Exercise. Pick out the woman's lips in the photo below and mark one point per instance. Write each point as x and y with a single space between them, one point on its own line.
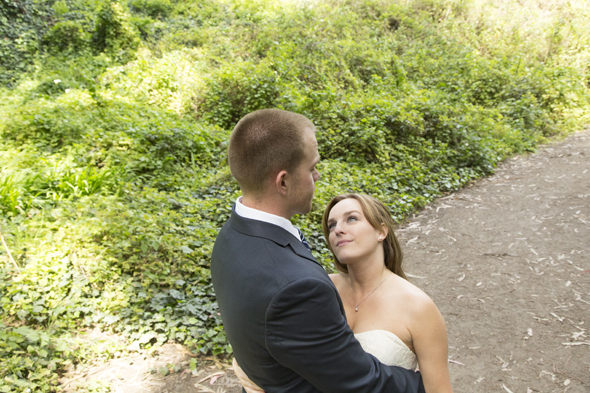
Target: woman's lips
342 242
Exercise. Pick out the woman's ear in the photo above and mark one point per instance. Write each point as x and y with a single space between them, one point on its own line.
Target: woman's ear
383 232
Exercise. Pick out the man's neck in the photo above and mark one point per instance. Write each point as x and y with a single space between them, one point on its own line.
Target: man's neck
267 205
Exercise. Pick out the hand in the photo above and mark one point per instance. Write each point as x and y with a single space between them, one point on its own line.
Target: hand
249 386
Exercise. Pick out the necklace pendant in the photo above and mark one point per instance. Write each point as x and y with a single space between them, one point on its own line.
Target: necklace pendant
356 309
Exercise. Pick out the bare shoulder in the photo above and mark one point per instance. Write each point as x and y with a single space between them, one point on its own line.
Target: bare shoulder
416 302
424 318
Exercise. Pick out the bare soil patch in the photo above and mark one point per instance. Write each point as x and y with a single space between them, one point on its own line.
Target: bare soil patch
165 370
506 261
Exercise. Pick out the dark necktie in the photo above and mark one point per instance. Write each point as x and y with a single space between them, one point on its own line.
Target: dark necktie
305 243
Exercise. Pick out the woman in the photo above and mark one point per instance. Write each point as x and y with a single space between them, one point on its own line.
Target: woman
393 320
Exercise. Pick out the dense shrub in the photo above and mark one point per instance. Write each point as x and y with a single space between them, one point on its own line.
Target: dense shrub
118 134
66 36
22 24
237 90
170 81
115 34
153 8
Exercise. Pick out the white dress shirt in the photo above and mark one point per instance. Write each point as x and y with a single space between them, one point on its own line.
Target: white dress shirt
253 214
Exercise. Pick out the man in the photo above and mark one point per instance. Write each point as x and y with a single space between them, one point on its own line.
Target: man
281 312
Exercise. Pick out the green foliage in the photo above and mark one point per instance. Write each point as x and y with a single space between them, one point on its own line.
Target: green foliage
113 175
114 133
22 24
153 8
66 36
171 81
50 182
60 8
115 34
237 90
29 358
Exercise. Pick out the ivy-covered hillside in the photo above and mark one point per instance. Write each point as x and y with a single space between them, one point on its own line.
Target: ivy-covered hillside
115 115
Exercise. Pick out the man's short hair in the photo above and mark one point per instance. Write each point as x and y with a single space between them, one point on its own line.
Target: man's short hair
263 143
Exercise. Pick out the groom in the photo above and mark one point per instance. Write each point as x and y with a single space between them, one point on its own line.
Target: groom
281 312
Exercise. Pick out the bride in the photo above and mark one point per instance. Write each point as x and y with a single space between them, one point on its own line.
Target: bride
392 319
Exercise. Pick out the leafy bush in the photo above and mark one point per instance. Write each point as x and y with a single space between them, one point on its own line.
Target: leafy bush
153 8
66 36
115 133
22 24
115 34
29 358
235 91
171 81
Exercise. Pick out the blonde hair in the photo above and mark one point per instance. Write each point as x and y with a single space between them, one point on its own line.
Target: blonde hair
378 216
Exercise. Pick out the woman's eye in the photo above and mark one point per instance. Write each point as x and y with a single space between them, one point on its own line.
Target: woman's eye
352 218
331 227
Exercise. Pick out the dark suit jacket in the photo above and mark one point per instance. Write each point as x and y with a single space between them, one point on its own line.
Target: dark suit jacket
285 319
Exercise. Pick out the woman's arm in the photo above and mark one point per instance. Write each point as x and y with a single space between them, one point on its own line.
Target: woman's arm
429 337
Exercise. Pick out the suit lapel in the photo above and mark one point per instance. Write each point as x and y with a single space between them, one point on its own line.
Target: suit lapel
270 231
302 251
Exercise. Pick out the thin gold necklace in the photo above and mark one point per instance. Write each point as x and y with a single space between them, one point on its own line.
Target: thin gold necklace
356 308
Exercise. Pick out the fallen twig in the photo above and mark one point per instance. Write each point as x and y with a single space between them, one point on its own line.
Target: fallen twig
456 362
219 373
560 319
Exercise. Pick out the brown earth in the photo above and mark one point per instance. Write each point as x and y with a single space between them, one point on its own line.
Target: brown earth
506 261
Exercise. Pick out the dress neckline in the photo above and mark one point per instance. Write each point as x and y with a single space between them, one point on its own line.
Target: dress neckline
395 336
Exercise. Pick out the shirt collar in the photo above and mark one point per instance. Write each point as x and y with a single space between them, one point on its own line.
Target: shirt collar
259 215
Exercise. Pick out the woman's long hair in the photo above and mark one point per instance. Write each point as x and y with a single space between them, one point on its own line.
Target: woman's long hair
377 215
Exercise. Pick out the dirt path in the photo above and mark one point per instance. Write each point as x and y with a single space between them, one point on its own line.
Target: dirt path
506 261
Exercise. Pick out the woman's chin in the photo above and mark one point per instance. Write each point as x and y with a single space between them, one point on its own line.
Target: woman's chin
346 262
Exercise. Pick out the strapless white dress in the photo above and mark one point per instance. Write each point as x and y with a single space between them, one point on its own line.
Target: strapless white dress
388 348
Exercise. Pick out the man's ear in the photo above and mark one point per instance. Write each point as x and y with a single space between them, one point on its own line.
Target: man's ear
281 182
